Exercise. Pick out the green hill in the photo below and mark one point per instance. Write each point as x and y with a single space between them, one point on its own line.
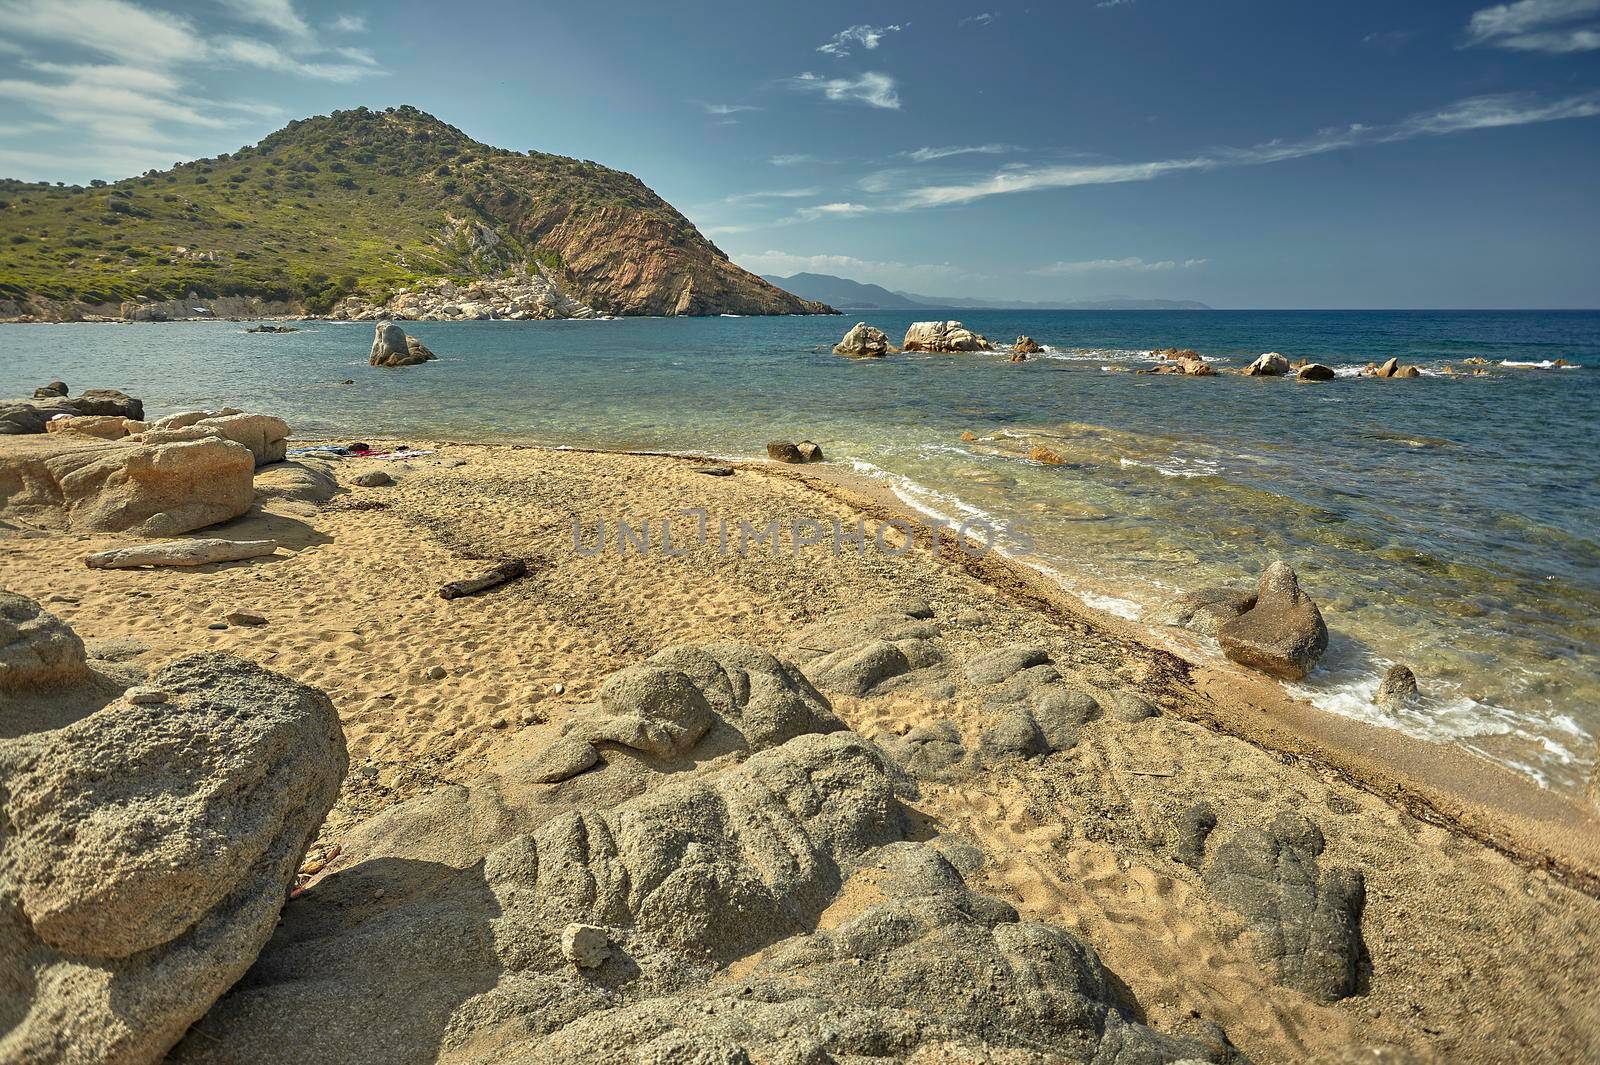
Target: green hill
363 203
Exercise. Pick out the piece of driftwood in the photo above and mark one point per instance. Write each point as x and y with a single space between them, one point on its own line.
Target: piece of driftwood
501 574
180 553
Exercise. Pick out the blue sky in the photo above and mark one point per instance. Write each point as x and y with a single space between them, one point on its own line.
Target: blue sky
1245 154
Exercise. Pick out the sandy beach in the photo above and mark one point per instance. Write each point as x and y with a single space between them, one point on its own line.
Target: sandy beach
1479 887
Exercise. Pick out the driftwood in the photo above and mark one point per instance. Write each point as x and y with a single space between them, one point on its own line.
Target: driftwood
180 553
501 574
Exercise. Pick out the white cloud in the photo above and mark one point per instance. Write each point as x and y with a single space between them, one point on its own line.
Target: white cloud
792 160
1537 26
925 155
871 88
868 37
257 53
979 20
727 109
1113 3
278 15
1482 112
113 28
349 24
831 210
1128 265
768 194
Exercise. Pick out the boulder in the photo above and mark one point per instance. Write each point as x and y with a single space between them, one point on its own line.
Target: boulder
1026 345
1388 369
393 346
99 426
37 649
1408 371
1306 919
784 451
372 479
1204 610
943 337
20 417
809 452
109 403
864 341
1283 633
1270 364
306 481
149 848
266 437
152 488
1181 361
1315 371
1398 689
51 390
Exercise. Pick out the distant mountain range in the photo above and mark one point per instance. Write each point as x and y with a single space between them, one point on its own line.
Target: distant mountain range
848 295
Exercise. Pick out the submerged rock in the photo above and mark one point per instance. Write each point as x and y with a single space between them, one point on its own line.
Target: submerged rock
1315 371
1204 610
944 337
864 341
1283 633
1026 345
1398 688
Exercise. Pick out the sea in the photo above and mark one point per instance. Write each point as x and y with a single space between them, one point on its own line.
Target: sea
1448 523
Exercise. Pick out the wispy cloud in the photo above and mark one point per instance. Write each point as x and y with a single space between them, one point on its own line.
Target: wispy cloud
726 109
1481 112
769 194
927 155
1113 3
1537 26
132 97
792 160
349 24
278 15
979 20
872 88
1104 266
867 37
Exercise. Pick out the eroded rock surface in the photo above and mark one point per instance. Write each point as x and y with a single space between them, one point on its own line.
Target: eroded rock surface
944 337
1283 633
148 850
864 341
37 649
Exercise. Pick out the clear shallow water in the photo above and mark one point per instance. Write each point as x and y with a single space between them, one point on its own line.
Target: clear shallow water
1447 524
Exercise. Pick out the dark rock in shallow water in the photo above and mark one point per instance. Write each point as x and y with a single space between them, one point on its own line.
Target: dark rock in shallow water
784 451
52 390
1307 919
1398 688
1204 610
1283 634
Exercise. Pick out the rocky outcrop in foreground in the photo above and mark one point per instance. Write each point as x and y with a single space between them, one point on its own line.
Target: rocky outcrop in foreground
944 337
585 904
148 850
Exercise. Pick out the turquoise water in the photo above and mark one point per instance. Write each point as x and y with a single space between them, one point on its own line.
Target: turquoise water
1446 523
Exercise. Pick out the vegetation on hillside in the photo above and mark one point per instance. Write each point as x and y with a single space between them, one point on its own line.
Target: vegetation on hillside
358 202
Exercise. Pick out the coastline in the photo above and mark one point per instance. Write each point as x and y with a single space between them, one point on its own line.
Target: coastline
449 695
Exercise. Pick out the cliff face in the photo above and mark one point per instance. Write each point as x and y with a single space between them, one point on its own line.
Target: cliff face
355 209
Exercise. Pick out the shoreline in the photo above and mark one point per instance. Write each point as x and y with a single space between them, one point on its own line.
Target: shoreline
1439 783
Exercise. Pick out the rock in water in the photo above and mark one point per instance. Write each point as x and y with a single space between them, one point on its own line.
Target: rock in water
1204 610
152 846
809 452
1398 688
37 650
1315 371
1283 634
1307 919
1270 364
1388 369
392 346
1026 345
784 451
944 336
864 341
